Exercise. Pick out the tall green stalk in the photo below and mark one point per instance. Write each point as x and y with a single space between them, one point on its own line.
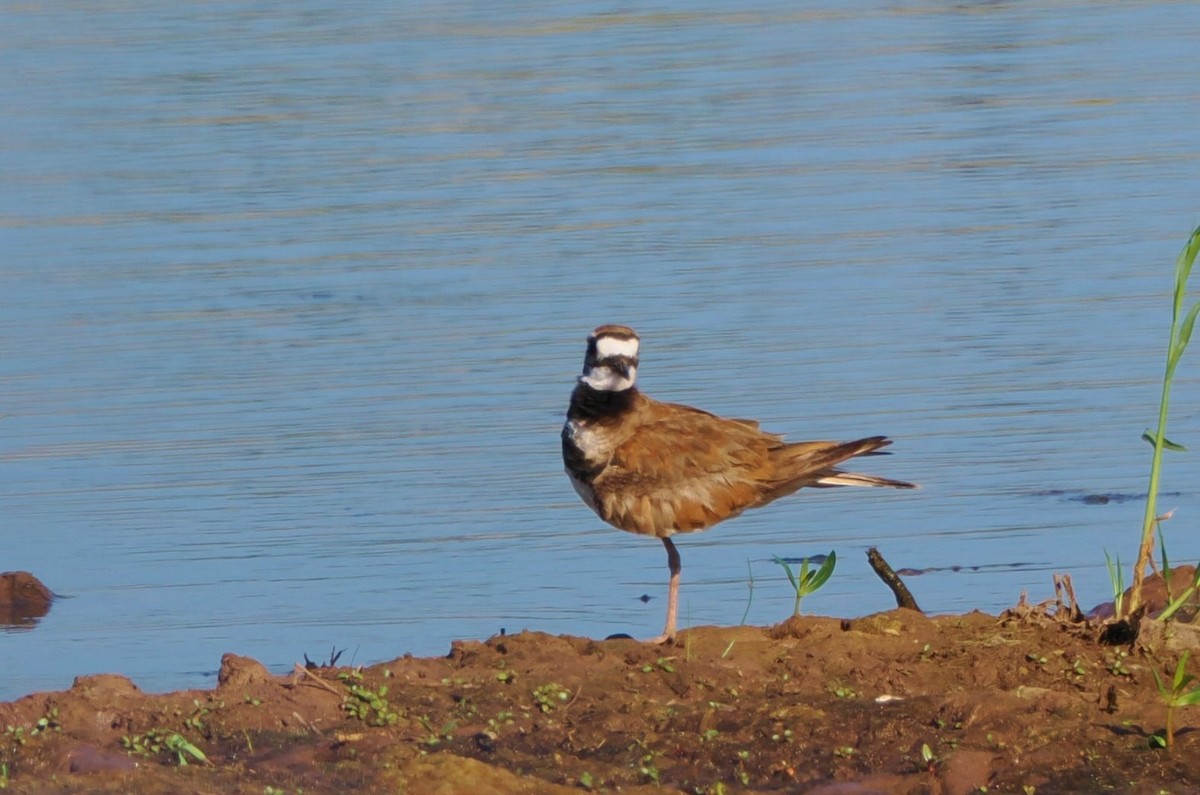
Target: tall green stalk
1181 333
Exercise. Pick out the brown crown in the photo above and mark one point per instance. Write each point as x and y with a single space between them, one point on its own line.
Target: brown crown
614 330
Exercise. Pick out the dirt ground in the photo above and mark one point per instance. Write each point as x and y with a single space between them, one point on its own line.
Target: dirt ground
896 702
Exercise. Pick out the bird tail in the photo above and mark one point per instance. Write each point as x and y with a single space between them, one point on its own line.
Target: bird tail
814 464
839 478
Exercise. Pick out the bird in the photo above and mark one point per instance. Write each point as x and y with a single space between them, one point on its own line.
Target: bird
657 469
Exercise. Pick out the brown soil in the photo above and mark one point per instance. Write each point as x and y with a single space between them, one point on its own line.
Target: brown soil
890 703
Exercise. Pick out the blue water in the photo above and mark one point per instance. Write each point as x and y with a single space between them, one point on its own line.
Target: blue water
293 298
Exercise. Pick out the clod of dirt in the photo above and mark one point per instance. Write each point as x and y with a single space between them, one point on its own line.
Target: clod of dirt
239 671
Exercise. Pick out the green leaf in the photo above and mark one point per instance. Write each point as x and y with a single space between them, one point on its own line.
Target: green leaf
1180 674
1185 330
1162 689
1167 443
1184 262
791 577
1187 257
1189 699
805 575
822 575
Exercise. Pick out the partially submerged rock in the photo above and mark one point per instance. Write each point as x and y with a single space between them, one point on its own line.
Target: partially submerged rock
23 599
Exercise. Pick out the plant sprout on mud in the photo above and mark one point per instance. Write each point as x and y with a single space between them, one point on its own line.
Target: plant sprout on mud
1177 695
808 581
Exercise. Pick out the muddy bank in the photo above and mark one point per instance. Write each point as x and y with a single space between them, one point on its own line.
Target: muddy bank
894 703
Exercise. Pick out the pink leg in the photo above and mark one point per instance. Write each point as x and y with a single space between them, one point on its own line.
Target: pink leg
673 563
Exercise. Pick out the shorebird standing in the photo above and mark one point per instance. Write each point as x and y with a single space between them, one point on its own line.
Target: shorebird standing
657 469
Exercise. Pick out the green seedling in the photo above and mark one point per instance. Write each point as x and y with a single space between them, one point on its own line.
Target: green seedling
743 774
1116 663
808 581
503 718
929 760
662 663
200 712
1116 578
435 735
369 706
157 741
46 723
649 769
19 735
842 691
1175 696
550 695
1182 325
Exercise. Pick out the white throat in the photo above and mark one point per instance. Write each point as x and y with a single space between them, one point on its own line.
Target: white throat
604 379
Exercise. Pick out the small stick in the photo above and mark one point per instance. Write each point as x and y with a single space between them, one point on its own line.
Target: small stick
1062 583
300 669
904 597
306 724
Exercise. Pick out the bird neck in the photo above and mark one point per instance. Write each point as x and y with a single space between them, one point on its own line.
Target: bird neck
588 403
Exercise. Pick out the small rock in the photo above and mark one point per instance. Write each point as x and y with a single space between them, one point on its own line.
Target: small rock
23 599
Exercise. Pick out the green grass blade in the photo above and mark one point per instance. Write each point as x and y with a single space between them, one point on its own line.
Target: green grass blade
750 598
1177 603
1166 564
1178 342
791 577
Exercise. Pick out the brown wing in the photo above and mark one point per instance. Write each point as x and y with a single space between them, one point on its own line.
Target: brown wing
683 470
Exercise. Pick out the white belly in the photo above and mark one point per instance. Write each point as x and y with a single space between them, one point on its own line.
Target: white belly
584 441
